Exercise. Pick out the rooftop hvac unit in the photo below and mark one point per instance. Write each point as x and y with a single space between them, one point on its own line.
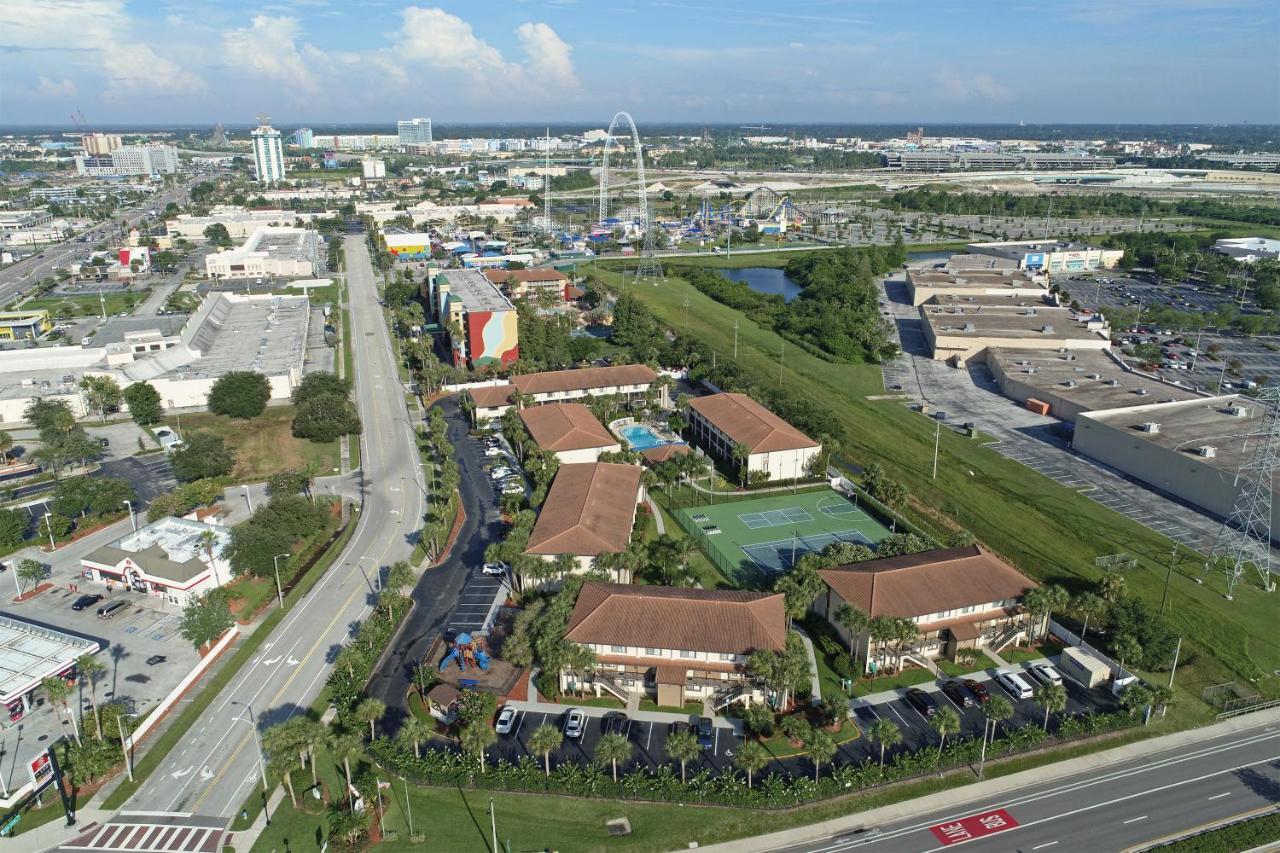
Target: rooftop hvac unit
1023 363
1048 330
1030 312
1094 376
1114 383
1141 392
1208 451
1238 411
1070 383
969 327
1071 356
1150 427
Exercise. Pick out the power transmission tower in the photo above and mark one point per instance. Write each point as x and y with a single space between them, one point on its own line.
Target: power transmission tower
1245 537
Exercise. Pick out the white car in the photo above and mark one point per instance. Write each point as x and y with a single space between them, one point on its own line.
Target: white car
494 569
574 723
493 451
1013 683
506 720
499 473
1044 673
513 490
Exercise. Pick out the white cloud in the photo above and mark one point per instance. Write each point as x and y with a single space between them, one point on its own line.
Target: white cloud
436 40
47 88
269 48
107 37
550 59
973 87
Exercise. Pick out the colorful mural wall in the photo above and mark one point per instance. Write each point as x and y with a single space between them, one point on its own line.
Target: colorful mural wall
492 337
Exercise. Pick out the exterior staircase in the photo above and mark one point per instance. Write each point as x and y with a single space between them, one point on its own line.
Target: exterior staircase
922 660
726 696
1010 634
612 687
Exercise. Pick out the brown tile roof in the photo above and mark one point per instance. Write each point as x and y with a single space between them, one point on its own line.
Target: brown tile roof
500 277
670 673
565 426
589 510
700 620
584 378
706 666
928 582
744 420
964 631
663 452
491 396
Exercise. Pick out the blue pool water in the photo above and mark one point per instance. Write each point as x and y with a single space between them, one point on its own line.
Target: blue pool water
641 437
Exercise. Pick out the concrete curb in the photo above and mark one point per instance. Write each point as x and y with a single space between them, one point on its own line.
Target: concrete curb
957 797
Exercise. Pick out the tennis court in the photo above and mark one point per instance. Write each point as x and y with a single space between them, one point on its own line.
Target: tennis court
757 538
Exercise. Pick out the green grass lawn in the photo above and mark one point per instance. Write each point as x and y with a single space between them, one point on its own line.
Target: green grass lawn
85 306
780 747
906 678
1022 654
1047 530
265 444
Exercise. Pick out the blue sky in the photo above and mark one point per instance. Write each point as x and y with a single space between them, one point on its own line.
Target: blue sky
749 61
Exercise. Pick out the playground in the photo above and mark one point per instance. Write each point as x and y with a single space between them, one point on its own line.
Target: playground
752 540
473 662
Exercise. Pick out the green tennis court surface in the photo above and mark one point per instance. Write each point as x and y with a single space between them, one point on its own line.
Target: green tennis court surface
754 539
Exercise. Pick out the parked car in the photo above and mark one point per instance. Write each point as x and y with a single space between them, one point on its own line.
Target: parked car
513 490
494 569
614 724
574 722
1013 683
957 693
111 610
706 733
678 726
506 720
979 690
921 701
499 473
493 450
1044 673
155 660
86 601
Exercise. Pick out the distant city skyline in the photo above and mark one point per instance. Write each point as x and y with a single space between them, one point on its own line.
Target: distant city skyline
166 62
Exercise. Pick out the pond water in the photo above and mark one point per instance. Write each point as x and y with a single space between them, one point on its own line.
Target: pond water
765 280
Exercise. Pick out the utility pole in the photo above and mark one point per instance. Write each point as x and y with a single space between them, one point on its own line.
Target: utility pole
937 436
735 340
686 312
1177 652
1173 555
493 825
408 806
128 762
782 348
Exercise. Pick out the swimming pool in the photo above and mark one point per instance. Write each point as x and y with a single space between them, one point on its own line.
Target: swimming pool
642 437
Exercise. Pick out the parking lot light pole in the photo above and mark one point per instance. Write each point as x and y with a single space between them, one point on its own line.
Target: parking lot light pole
982 762
248 499
48 526
275 561
133 519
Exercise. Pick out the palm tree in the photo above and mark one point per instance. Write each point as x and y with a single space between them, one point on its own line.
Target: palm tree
820 749
1112 587
742 456
90 668
751 757
1135 697
882 630
683 747
886 733
944 722
371 711
997 709
414 731
283 744
546 739
1161 696
1088 605
905 632
399 576
6 444
1042 601
311 736
344 748
854 620
1125 647
613 748
208 539
283 764
1051 697
476 739
57 690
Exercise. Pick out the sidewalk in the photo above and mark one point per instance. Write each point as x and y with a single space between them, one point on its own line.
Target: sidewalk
664 717
989 788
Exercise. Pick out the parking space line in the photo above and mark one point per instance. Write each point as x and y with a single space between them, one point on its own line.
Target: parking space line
648 738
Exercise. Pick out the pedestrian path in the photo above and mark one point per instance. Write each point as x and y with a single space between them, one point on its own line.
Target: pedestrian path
815 683
928 686
664 717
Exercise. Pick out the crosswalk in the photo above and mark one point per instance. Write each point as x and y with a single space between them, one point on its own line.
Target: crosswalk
151 833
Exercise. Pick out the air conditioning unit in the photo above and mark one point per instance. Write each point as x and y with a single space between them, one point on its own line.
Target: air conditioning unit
969 327
1208 451
1113 383
1150 427
1094 376
1048 330
1141 392
1238 411
1070 383
1071 356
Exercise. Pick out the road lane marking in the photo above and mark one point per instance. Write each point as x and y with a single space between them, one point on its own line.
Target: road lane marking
1220 796
1042 846
1135 819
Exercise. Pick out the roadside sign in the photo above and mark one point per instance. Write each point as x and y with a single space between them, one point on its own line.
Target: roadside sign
974 826
41 770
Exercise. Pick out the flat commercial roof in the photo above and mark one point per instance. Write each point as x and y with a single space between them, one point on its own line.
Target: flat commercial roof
1187 425
30 652
1056 323
475 291
167 548
1099 382
265 335
113 329
1018 248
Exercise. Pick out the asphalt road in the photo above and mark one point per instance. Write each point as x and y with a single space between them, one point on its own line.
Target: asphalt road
22 275
216 766
436 595
1129 803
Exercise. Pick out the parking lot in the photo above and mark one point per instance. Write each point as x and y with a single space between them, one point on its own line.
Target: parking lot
144 655
1113 290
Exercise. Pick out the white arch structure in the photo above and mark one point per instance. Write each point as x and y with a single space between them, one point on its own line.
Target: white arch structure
604 169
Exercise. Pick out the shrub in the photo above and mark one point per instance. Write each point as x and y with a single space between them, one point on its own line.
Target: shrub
240 394
204 454
143 401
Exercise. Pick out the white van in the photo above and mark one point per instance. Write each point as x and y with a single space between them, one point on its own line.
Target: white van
1014 684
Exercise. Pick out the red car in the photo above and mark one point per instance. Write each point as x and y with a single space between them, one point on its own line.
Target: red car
979 690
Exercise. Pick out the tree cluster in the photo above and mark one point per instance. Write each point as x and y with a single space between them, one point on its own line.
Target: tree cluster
143 401
323 410
202 455
239 394
62 440
185 498
274 528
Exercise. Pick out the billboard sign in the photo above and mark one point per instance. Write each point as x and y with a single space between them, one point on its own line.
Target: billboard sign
974 826
41 768
1035 261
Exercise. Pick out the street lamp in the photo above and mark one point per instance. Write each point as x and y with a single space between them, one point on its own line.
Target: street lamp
48 526
248 499
262 762
133 519
275 561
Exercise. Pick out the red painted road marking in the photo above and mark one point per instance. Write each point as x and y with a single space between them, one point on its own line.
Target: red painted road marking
974 826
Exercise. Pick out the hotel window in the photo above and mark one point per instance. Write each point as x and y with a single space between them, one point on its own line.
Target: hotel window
685 654
618 650
653 653
729 656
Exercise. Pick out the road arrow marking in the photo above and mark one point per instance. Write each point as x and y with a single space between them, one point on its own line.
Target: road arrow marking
179 774
271 662
292 661
206 773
